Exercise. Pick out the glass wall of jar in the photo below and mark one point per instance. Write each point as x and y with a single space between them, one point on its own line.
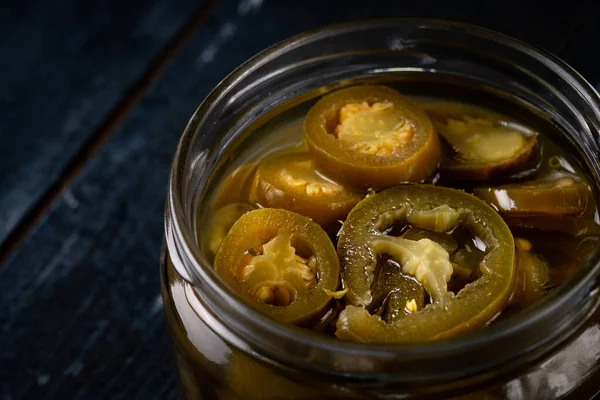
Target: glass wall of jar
228 350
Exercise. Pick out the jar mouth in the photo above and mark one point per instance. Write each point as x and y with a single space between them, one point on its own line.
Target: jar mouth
180 231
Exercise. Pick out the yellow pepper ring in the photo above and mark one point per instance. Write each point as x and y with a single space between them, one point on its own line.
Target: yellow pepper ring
283 263
442 210
291 182
371 137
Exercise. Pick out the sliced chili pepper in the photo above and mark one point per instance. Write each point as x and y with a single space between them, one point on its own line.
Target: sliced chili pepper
555 194
440 209
281 262
291 182
483 145
371 137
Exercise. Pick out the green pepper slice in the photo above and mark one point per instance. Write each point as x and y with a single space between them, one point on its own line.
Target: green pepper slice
292 182
564 253
440 209
554 194
483 145
281 262
371 137
219 225
533 276
572 225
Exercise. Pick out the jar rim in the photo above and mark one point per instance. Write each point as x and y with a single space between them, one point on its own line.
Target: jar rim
177 226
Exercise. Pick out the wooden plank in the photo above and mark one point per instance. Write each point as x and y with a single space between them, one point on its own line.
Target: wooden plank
80 311
66 66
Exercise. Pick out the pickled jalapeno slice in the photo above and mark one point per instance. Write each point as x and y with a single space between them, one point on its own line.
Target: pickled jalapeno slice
482 145
533 275
573 225
371 137
564 253
219 225
554 194
363 239
292 182
283 263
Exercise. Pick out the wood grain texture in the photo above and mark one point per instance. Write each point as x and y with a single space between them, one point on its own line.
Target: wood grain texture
66 65
80 312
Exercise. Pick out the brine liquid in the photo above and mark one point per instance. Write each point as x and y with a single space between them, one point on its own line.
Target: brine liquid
211 368
563 252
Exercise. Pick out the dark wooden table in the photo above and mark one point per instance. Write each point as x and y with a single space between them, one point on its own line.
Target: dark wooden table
94 96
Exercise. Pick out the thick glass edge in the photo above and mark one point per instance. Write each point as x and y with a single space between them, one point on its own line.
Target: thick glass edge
204 271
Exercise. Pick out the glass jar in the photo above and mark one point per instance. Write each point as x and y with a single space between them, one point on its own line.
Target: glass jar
227 350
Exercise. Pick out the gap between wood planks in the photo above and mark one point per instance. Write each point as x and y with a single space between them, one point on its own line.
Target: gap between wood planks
105 131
